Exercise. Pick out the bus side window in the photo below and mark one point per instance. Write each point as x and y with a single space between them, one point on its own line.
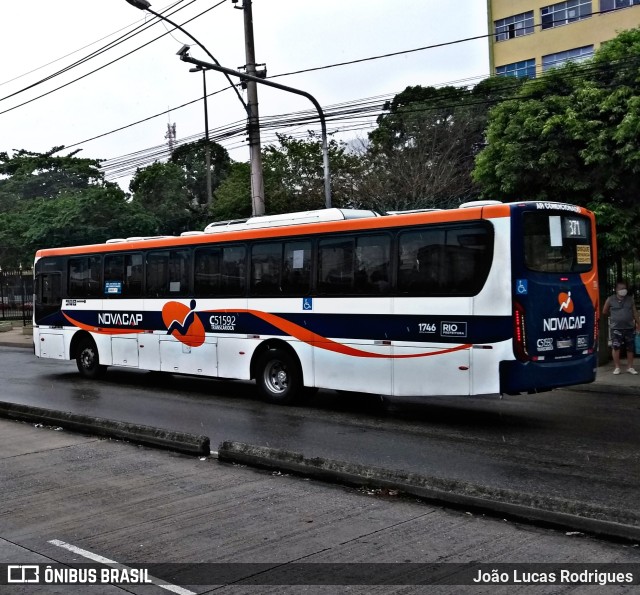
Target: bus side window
234 270
49 289
207 274
296 268
335 265
373 264
84 279
123 275
168 273
444 261
266 266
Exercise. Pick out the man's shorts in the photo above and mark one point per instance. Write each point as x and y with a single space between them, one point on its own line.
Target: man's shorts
623 337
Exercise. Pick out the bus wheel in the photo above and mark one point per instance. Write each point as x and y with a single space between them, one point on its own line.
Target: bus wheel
88 360
279 378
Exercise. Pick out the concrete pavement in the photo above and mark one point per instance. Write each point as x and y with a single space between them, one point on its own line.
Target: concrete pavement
67 497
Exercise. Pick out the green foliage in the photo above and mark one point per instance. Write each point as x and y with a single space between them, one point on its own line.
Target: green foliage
45 175
50 201
571 136
421 155
191 159
294 175
232 199
160 189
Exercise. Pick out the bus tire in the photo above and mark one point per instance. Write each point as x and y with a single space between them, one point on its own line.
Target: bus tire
88 360
279 378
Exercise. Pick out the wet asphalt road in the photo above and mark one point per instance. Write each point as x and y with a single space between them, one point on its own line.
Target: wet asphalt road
583 447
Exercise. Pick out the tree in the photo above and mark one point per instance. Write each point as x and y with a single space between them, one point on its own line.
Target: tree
422 153
294 174
45 175
49 200
232 199
160 189
571 136
191 159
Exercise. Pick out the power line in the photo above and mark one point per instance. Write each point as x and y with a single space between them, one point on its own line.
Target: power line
101 67
354 115
112 44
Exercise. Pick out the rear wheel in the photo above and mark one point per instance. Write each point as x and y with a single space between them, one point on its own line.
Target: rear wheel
88 360
279 377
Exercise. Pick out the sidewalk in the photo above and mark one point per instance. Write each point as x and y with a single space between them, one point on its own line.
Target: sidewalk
17 336
605 381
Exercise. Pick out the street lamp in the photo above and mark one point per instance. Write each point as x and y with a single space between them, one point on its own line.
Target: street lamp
184 56
207 148
145 5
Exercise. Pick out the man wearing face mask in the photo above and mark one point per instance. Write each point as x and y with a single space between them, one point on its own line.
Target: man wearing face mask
622 322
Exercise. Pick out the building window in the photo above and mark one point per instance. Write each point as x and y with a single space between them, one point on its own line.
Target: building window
526 68
565 12
514 26
607 5
574 55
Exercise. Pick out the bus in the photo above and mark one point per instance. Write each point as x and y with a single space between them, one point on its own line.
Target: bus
485 299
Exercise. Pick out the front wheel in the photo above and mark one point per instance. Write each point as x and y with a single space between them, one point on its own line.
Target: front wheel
279 377
88 361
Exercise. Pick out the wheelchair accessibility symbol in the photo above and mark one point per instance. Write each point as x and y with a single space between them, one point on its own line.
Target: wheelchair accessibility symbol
307 303
522 287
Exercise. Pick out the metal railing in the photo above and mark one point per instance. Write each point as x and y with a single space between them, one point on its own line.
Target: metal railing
16 295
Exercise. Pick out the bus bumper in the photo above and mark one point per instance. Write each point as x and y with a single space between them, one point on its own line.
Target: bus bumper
523 377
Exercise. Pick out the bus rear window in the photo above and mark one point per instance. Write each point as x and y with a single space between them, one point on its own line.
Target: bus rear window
557 243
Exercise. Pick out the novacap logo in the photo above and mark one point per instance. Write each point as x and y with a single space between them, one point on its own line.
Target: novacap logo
566 303
183 323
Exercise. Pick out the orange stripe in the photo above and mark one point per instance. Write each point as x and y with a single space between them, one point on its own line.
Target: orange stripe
291 329
315 340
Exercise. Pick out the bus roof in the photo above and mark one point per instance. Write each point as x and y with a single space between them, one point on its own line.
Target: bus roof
300 224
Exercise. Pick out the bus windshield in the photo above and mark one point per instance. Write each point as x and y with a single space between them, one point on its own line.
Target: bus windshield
556 243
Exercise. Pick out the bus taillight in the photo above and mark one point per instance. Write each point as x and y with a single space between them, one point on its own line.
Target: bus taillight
519 335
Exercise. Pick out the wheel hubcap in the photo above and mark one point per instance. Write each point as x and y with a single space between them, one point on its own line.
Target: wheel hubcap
87 358
276 377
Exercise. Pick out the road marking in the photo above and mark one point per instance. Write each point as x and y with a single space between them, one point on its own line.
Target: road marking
102 560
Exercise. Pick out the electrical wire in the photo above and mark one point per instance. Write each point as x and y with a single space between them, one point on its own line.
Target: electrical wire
350 116
101 67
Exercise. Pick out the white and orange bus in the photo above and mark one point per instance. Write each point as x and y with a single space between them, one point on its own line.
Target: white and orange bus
486 299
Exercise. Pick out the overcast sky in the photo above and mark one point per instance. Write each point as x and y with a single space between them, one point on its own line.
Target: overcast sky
290 35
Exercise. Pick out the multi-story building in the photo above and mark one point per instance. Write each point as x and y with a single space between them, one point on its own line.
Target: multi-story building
528 37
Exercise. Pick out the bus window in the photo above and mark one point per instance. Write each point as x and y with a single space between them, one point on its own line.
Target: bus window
355 265
444 261
335 265
207 272
296 268
557 243
234 271
168 273
266 265
373 263
49 289
84 277
123 275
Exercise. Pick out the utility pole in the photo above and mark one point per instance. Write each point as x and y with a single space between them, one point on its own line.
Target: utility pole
207 149
253 125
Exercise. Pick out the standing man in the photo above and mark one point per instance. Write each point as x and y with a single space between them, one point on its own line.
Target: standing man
623 321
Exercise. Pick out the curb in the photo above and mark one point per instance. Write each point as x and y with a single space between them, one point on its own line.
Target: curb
181 442
542 510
